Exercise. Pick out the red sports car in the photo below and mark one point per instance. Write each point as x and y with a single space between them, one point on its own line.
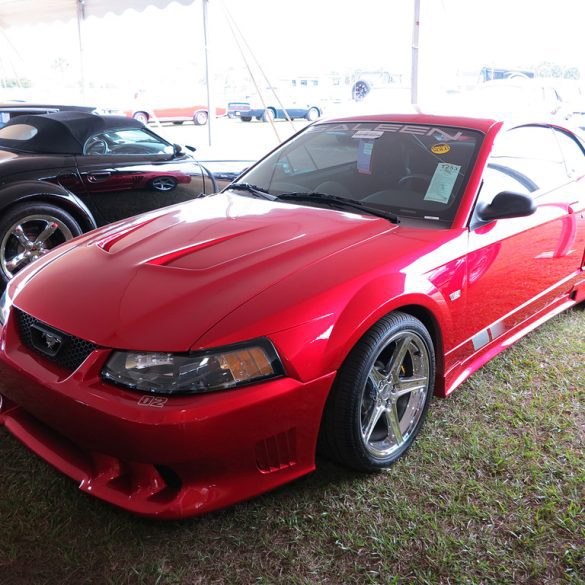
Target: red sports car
186 359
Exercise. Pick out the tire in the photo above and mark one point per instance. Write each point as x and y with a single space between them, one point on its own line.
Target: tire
141 117
313 114
381 395
29 231
246 118
360 90
200 118
268 115
177 122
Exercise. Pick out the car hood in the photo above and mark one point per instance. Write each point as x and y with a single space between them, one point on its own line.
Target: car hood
159 281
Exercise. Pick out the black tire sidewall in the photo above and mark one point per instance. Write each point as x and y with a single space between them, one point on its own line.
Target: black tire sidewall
341 428
35 208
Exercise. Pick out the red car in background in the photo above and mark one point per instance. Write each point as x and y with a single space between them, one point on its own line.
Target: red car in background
177 114
198 355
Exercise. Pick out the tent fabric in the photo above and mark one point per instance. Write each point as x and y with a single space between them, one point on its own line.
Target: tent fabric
29 12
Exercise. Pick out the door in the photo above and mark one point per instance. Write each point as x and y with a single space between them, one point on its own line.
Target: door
126 172
519 266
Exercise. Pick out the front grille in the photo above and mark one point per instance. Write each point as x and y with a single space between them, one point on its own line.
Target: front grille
71 352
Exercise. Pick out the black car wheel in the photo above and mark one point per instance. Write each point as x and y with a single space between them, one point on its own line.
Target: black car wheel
381 395
29 231
246 118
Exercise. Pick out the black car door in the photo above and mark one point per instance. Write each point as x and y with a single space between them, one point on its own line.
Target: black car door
126 172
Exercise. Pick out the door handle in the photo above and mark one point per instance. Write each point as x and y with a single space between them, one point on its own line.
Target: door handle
99 176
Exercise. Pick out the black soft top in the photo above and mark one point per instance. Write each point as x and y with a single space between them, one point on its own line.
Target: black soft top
63 132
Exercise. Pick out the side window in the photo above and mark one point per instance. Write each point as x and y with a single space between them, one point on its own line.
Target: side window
497 179
123 142
573 154
531 154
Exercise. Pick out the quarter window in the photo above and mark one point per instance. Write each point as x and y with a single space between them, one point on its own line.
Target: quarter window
18 132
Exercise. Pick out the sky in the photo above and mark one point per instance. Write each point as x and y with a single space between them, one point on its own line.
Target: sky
162 50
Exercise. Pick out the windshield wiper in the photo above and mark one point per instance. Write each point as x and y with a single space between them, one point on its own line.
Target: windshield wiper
336 201
253 189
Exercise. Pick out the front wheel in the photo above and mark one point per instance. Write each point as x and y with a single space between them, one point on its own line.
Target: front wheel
200 118
381 395
30 231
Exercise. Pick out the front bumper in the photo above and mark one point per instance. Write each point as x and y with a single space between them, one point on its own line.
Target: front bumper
168 457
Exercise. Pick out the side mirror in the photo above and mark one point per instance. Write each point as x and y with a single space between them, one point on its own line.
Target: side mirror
179 149
507 204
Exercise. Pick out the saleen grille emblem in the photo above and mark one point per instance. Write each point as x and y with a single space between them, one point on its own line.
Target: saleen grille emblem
47 342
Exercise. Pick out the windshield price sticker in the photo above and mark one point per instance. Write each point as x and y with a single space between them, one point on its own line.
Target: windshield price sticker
442 183
368 134
364 158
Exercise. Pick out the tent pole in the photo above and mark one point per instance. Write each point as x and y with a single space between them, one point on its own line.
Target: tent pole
210 103
80 20
414 70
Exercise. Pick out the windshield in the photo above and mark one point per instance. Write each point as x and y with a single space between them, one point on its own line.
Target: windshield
408 170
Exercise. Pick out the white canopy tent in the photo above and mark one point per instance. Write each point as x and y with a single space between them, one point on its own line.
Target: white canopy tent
15 13
23 12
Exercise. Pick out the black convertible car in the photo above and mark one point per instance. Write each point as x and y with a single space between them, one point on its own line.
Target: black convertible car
65 173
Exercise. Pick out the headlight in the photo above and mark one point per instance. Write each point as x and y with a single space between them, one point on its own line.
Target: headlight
193 373
5 304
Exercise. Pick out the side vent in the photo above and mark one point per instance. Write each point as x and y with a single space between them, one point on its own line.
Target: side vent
277 452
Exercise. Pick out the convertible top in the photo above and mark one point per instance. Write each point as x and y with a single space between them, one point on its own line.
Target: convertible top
62 132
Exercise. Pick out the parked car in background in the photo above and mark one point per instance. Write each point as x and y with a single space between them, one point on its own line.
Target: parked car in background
198 355
176 112
513 98
309 111
237 109
294 97
66 173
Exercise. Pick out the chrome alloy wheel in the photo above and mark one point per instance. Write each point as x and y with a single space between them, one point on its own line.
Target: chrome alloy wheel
28 239
394 396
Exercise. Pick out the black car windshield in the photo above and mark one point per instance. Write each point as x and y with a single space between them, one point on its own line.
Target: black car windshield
409 170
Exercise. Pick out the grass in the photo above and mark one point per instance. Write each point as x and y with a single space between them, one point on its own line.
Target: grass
493 491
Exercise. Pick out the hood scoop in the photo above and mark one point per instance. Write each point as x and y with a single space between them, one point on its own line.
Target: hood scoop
118 235
169 258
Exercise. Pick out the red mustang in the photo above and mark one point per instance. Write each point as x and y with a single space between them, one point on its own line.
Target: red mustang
195 356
